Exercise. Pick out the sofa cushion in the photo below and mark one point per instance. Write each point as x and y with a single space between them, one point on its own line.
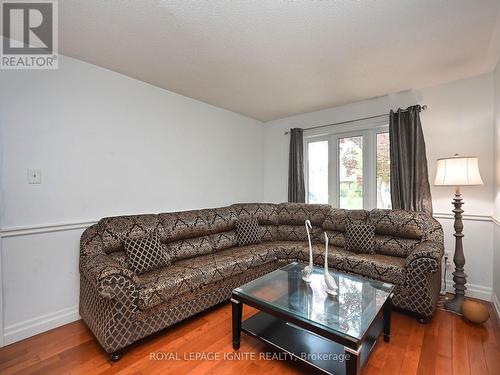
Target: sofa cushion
336 255
298 250
248 232
221 219
265 213
161 285
269 232
185 224
298 233
360 238
145 254
287 250
337 218
230 262
114 230
394 246
335 238
190 247
298 213
380 267
224 240
376 266
399 223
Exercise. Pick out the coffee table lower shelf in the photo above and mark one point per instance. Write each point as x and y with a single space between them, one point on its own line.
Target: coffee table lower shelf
314 350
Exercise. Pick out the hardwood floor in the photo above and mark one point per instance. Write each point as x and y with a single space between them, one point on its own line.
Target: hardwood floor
447 345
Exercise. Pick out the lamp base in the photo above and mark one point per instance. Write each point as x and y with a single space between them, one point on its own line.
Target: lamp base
459 276
455 304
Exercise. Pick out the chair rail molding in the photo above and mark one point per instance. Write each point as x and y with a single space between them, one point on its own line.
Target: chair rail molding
45 228
24 230
471 217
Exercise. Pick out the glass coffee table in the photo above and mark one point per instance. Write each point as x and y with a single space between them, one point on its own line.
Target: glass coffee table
333 334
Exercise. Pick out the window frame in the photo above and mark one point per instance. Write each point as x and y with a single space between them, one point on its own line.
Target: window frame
368 130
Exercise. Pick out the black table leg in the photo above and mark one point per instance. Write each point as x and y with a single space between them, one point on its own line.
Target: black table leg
386 313
352 361
237 315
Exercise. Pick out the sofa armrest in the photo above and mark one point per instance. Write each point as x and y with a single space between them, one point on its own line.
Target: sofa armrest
430 250
111 278
107 275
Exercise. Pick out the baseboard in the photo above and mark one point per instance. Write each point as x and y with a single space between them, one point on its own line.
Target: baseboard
496 306
31 327
473 290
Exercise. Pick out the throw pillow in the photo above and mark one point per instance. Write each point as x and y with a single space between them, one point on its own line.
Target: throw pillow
145 254
360 238
248 232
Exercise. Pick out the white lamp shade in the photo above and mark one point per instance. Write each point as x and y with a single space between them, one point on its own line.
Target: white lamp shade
458 171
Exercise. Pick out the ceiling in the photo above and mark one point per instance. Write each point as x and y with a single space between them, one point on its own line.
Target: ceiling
272 59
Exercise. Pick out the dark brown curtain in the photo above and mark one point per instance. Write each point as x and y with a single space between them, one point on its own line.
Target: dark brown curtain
296 188
410 189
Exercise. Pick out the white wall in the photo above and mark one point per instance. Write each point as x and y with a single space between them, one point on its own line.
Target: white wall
107 145
496 255
459 119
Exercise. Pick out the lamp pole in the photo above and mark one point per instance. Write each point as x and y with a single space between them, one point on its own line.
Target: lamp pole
459 276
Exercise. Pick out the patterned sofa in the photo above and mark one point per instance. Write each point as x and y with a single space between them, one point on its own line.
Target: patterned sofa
121 307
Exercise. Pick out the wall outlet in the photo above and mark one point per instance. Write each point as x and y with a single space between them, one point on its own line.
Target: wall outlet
34 176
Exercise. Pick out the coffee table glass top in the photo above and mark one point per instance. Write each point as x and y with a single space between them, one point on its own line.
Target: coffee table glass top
350 313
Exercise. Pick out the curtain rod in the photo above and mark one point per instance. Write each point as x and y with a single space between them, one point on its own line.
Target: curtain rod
423 108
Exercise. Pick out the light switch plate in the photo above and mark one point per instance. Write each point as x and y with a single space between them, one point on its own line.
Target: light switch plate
34 176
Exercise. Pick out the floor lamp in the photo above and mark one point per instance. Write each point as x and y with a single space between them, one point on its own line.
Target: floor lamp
458 171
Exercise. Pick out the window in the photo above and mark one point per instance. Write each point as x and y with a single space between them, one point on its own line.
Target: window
318 172
349 168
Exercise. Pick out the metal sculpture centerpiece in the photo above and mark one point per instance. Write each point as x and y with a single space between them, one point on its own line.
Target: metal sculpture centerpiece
331 285
308 270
